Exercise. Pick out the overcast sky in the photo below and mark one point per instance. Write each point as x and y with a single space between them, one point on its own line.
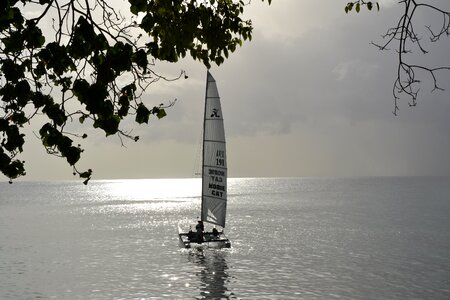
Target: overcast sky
308 96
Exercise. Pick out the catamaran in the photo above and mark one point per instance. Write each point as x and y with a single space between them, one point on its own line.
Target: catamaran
214 177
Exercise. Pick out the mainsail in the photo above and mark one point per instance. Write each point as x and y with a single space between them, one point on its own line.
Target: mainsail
214 167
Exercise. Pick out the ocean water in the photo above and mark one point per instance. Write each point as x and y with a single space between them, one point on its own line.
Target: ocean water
292 238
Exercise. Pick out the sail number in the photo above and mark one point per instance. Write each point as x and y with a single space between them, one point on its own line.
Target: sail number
220 158
217 183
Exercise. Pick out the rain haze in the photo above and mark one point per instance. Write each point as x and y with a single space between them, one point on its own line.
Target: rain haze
308 96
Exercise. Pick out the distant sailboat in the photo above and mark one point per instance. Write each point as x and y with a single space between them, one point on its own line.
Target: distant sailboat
214 176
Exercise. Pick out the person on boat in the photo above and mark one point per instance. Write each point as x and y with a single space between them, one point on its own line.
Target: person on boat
200 227
215 232
190 235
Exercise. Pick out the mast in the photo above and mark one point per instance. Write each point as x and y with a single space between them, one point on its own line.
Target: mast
203 143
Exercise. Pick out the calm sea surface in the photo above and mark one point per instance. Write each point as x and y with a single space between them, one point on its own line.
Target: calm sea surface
296 238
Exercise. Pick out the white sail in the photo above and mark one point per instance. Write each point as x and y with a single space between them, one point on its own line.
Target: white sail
214 166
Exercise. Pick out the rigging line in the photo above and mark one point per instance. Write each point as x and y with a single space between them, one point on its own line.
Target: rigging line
197 168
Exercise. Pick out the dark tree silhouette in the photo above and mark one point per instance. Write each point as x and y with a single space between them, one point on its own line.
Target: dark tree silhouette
404 38
93 63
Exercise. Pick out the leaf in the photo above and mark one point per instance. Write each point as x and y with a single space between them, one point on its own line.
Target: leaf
140 58
124 103
56 57
13 43
142 114
138 6
23 93
80 89
110 124
72 155
357 7
86 175
12 71
33 36
55 113
15 139
14 169
19 118
147 23
4 160
349 7
40 99
161 113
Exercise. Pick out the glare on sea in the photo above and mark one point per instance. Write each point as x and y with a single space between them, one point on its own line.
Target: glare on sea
138 195
153 189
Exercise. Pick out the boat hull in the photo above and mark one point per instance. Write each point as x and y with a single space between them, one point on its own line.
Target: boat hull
210 240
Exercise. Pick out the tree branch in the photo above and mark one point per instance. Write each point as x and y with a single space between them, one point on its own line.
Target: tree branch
404 34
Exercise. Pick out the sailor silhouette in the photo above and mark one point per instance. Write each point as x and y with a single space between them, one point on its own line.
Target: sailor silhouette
214 113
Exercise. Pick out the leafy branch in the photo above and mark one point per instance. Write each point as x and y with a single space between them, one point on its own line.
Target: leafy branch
359 4
96 64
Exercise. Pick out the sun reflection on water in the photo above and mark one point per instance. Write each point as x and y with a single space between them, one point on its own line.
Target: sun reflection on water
149 189
135 196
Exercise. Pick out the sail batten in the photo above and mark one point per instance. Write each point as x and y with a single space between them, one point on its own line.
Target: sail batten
214 165
218 167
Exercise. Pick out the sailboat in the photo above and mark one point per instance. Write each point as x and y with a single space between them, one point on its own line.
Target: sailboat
214 177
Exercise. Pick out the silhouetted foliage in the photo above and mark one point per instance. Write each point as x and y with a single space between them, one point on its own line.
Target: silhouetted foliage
404 38
93 63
